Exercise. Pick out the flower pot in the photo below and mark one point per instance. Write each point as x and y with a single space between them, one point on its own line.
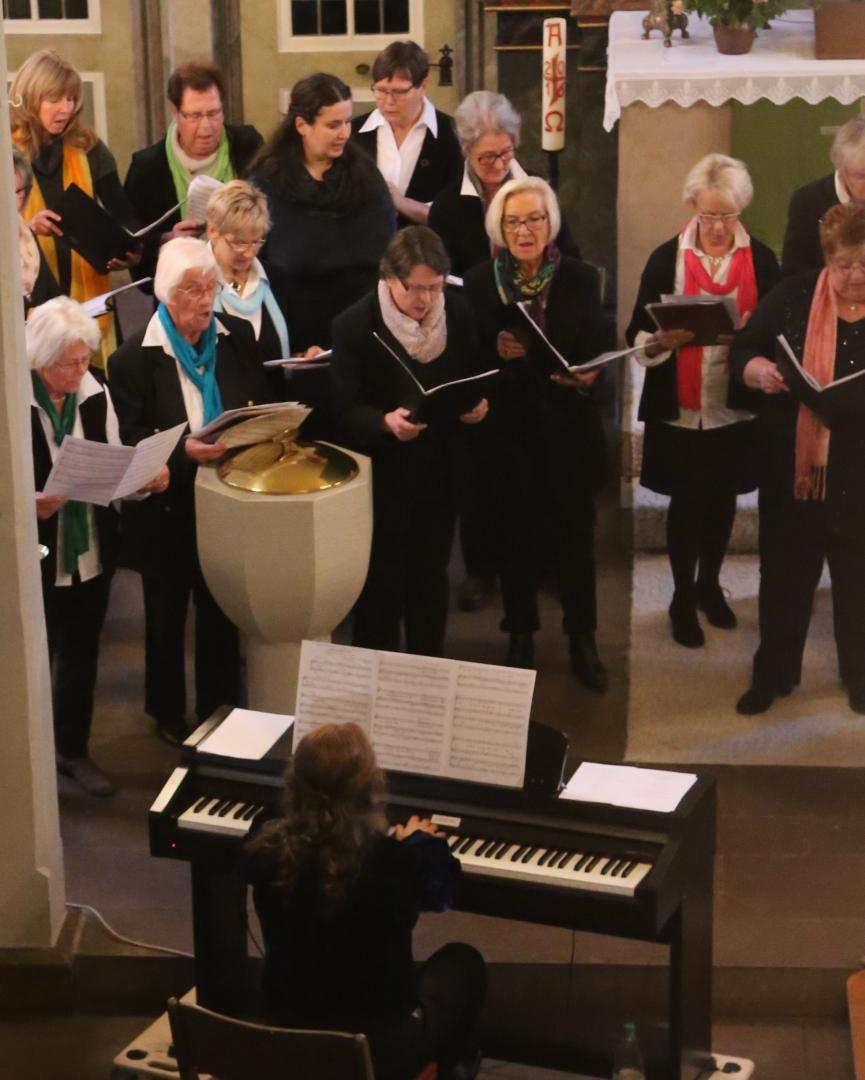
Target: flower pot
733 40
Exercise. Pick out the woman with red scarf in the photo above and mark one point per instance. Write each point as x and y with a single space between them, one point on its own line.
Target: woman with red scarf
700 437
812 480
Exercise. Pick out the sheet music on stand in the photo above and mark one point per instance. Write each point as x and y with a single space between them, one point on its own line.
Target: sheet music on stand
423 714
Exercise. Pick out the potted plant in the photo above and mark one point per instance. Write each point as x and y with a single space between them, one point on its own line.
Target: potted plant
734 22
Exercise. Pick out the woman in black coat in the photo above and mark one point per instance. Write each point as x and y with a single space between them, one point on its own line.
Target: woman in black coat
812 461
546 434
700 434
186 366
406 330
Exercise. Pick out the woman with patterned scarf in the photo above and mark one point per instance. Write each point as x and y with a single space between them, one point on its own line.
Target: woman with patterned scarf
699 445
47 127
812 465
547 434
188 365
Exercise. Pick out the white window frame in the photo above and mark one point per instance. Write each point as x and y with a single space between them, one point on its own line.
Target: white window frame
100 113
34 25
287 41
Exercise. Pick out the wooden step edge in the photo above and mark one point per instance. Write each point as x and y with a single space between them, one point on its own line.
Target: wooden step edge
856 1010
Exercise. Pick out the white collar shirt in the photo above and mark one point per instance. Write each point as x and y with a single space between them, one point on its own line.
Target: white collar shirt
516 172
398 163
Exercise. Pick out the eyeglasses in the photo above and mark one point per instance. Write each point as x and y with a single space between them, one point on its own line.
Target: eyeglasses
534 223
424 290
718 219
213 115
82 365
198 292
243 245
490 158
846 267
395 95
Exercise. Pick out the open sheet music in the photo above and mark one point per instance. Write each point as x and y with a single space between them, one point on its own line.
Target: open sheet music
253 423
96 472
98 305
548 355
422 714
707 317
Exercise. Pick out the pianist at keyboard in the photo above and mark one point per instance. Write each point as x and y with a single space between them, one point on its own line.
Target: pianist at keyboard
338 898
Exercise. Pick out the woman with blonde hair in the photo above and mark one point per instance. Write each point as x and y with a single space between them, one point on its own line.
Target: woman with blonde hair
338 895
700 437
47 126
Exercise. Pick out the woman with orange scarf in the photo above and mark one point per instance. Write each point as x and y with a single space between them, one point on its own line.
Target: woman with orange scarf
699 446
812 492
47 126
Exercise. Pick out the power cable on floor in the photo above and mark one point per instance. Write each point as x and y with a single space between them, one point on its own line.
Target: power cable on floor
127 940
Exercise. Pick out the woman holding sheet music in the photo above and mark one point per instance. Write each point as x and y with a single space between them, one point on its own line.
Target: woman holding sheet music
700 439
188 365
404 337
812 479
546 430
80 538
47 100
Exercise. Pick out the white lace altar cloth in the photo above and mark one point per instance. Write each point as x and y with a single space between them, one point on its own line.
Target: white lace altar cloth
781 66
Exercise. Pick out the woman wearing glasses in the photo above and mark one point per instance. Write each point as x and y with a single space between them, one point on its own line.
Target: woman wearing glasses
187 366
544 431
406 329
699 445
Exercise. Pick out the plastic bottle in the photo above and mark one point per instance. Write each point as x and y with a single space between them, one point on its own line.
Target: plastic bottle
627 1060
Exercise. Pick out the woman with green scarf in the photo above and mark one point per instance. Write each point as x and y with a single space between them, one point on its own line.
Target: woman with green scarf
80 538
545 430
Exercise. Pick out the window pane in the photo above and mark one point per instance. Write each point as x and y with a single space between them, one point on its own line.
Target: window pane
333 17
16 9
50 9
367 17
395 16
75 9
304 16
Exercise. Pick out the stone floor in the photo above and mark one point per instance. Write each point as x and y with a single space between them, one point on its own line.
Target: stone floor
789 922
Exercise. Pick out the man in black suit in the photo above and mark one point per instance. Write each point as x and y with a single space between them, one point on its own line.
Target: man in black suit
198 142
413 144
808 204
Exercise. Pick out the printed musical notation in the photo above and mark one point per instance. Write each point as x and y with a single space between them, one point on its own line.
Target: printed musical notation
422 714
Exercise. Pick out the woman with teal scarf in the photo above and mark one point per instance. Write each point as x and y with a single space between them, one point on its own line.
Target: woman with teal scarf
187 366
544 432
80 538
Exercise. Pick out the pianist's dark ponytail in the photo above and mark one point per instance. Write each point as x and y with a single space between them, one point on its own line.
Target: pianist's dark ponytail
336 796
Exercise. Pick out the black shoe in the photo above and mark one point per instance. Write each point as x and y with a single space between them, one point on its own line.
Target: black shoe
174 732
586 664
475 593
686 628
521 651
755 700
87 774
856 700
714 603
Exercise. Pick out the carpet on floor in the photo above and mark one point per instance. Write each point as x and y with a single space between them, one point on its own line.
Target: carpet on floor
682 701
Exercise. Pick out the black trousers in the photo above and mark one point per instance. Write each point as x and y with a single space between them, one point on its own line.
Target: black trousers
452 989
795 539
475 465
407 580
74 615
217 647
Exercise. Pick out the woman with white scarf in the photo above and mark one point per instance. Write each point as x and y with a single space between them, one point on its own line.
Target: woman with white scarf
406 330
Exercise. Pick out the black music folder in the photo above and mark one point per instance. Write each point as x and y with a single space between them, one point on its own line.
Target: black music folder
707 317
837 398
447 401
541 351
90 230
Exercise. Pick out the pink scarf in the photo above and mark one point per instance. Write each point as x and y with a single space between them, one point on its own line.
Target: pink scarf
689 360
812 435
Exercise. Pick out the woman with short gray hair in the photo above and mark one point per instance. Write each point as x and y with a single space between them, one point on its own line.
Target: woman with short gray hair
700 436
187 366
408 332
808 204
80 538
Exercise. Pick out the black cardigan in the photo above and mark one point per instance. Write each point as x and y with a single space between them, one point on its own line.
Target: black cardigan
94 412
808 204
660 399
459 221
145 387
785 311
151 189
439 163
